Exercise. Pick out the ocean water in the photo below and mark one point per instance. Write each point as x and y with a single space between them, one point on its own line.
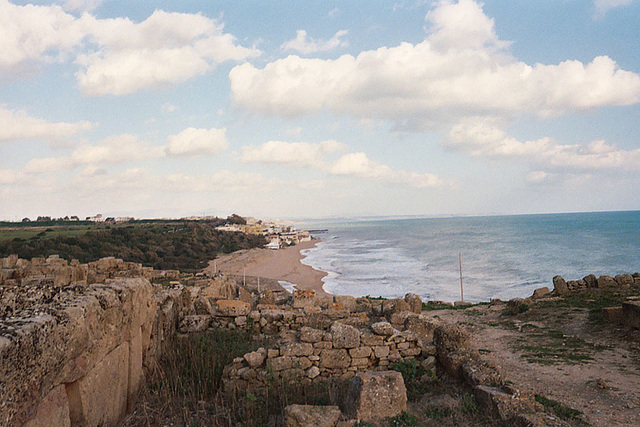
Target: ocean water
502 256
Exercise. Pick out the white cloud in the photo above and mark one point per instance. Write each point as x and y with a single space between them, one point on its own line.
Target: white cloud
193 142
223 181
485 137
116 56
80 5
359 165
168 108
603 6
8 176
34 33
17 125
298 154
306 45
461 69
305 154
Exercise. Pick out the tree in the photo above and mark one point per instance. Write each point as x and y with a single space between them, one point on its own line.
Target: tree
236 219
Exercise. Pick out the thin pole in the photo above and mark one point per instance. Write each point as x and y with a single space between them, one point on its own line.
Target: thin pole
244 276
461 287
258 284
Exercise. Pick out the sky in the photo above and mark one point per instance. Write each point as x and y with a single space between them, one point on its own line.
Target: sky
289 109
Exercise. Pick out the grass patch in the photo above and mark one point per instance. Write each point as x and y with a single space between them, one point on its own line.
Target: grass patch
551 346
560 410
417 379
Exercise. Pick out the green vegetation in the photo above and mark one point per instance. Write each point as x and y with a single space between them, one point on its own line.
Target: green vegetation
551 346
593 300
166 245
560 410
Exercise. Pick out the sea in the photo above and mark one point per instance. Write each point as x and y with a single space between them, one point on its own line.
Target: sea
500 256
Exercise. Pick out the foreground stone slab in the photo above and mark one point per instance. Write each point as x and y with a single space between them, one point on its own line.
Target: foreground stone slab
374 396
631 313
311 416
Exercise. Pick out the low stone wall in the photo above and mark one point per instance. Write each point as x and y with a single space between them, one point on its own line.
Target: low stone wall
563 287
76 354
339 351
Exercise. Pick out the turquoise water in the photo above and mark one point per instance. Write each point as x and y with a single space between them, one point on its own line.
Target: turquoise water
502 256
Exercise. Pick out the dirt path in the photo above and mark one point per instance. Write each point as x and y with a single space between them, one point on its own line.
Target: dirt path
562 355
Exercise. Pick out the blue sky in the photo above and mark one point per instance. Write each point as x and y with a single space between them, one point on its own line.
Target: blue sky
312 109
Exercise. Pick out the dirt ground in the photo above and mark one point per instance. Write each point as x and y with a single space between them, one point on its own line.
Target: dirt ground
559 351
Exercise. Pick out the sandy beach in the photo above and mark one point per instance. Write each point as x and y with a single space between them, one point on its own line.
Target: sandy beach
283 264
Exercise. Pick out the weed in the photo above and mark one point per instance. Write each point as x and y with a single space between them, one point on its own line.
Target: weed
469 404
417 380
403 419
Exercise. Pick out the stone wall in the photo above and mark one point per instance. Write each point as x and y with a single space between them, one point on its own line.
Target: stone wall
563 287
73 353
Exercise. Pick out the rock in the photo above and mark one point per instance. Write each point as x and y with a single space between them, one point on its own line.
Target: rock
541 293
606 282
450 337
517 305
383 328
297 349
232 308
591 281
360 352
304 297
313 372
334 359
374 396
53 410
612 314
631 313
311 335
254 359
422 325
429 363
624 280
415 303
538 419
506 403
311 416
280 363
560 286
344 336
347 302
194 323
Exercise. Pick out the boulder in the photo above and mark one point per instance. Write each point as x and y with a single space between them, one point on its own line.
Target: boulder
383 328
347 302
415 303
516 305
374 396
631 313
624 280
297 349
606 282
344 336
422 325
311 335
541 293
254 359
506 403
304 297
591 281
560 286
311 416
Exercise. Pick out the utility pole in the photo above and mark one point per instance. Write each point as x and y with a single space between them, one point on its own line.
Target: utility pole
461 287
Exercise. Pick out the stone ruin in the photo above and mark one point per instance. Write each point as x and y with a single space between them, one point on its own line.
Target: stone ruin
78 340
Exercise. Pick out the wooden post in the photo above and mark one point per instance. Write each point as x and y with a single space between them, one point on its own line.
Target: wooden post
244 276
461 287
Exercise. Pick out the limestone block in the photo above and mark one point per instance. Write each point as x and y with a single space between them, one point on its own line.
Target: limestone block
381 351
560 286
10 261
384 329
254 359
232 308
347 302
613 314
506 403
136 375
280 363
53 410
631 313
297 349
369 339
311 335
360 362
606 282
308 415
344 336
410 352
541 292
415 303
364 351
334 359
313 372
624 280
194 323
304 297
591 281
374 396
100 398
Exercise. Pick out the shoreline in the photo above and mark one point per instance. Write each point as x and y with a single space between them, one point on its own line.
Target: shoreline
282 265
